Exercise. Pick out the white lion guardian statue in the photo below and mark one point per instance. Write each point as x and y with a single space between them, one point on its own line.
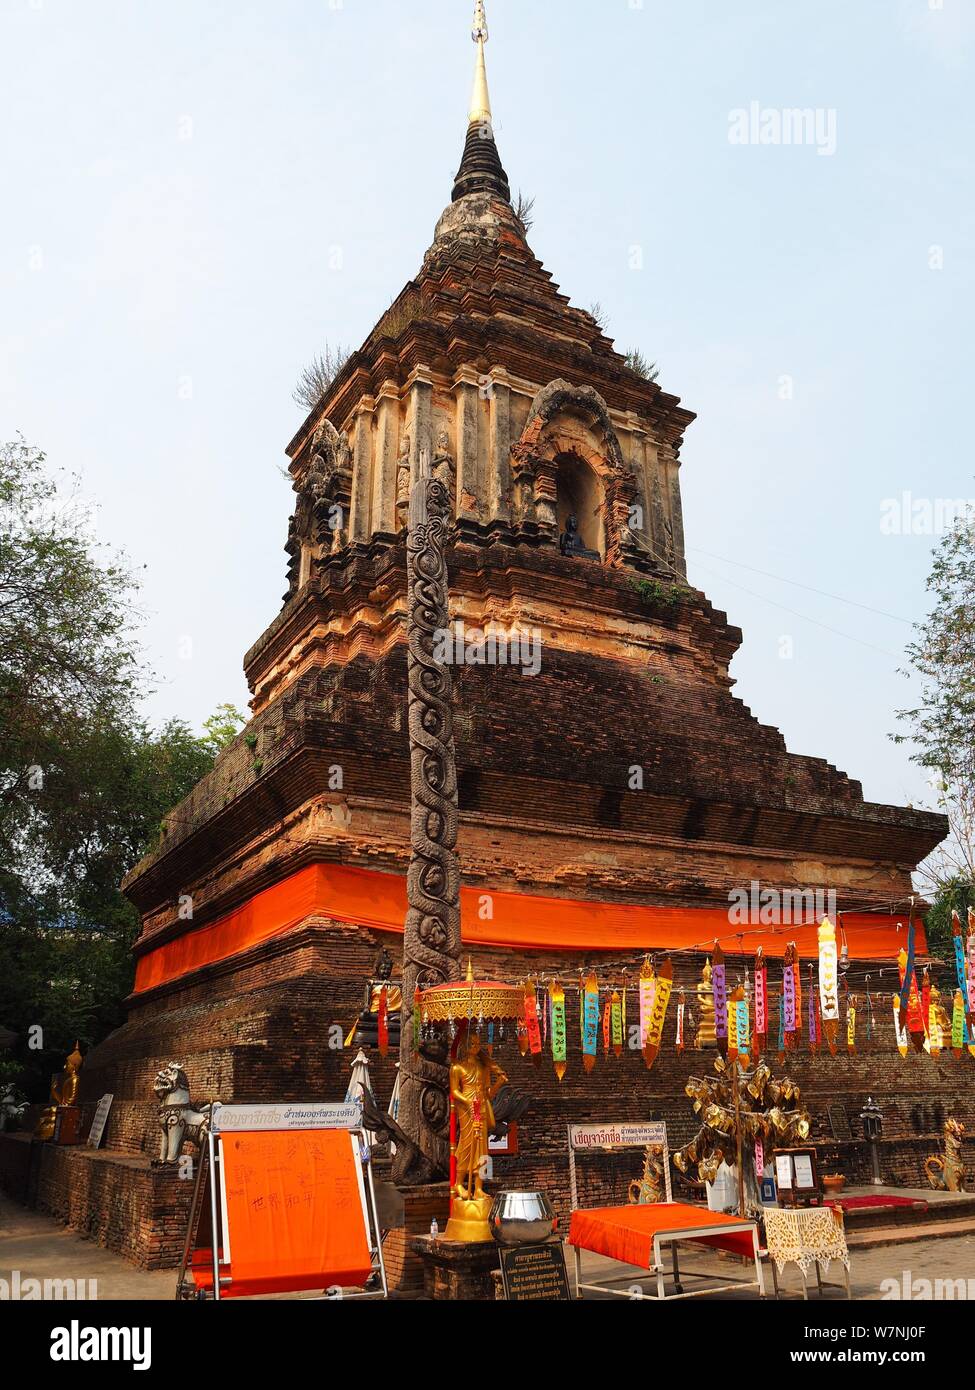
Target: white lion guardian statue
177 1118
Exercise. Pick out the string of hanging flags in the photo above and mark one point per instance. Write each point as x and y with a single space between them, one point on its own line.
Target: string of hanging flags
739 1016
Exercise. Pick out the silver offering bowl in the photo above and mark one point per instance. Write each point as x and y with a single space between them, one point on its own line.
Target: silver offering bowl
522 1218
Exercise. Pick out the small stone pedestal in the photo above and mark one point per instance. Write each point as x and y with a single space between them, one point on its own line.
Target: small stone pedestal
455 1272
421 1206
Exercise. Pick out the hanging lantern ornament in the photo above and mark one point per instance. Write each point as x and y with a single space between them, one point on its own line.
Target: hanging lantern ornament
590 1022
828 983
958 1025
761 1004
648 994
532 1030
970 962
719 984
743 1022
558 1030
899 1029
851 1023
910 1019
961 972
813 1014
926 1008
906 966
936 1022
789 994
658 1016
732 1008
781 1034
616 1023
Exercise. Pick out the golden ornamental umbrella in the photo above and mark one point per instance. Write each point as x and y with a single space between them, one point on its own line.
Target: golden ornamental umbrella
470 999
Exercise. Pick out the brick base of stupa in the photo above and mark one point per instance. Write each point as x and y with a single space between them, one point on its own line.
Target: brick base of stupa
262 1033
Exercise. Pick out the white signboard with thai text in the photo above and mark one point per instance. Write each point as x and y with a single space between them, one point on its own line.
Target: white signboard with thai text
252 1119
583 1137
99 1120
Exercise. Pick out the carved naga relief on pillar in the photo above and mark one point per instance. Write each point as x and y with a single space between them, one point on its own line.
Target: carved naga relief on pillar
432 944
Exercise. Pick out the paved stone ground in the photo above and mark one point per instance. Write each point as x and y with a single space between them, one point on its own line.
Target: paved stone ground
40 1248
937 1257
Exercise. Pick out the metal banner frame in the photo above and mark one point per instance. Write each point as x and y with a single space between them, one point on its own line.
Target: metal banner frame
255 1119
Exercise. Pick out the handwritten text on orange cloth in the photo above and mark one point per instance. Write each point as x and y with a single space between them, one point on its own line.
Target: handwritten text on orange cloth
294 1213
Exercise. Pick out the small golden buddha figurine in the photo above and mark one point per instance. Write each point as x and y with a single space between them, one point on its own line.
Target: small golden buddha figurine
63 1093
475 1080
705 1002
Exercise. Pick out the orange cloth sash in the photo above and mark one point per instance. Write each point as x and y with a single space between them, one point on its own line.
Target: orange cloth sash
368 898
626 1233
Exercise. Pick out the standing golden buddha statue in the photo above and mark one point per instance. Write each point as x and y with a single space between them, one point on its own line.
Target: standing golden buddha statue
475 1080
706 1036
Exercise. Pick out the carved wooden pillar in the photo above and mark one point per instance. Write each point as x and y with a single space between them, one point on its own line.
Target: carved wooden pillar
432 944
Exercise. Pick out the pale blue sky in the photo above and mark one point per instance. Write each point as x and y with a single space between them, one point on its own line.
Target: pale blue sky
176 179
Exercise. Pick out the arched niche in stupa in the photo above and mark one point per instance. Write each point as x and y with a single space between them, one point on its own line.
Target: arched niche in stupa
569 453
580 493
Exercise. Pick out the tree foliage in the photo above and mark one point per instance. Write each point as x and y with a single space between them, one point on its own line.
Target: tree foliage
316 379
942 722
524 210
637 362
84 782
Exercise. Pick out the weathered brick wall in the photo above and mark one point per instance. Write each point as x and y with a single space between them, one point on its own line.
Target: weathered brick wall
15 1165
120 1203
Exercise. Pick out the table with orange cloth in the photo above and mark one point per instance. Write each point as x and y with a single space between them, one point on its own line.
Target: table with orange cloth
635 1235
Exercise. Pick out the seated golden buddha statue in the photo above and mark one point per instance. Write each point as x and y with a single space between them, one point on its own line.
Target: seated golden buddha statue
64 1092
705 1005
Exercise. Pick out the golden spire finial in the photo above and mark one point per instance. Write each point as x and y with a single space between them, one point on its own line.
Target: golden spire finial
480 98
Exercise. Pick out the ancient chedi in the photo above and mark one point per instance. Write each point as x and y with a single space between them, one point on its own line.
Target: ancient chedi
608 803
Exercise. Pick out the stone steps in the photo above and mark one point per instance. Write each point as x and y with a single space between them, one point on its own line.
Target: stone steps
907 1232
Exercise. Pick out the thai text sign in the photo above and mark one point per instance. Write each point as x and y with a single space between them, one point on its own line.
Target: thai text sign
583 1137
253 1119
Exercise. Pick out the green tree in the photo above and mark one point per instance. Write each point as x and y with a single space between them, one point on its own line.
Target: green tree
84 782
67 654
223 726
952 896
942 721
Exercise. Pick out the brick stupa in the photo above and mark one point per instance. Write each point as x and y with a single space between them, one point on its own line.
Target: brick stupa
293 850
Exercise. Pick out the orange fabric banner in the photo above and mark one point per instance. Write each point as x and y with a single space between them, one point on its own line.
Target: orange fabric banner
294 1214
626 1233
368 898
